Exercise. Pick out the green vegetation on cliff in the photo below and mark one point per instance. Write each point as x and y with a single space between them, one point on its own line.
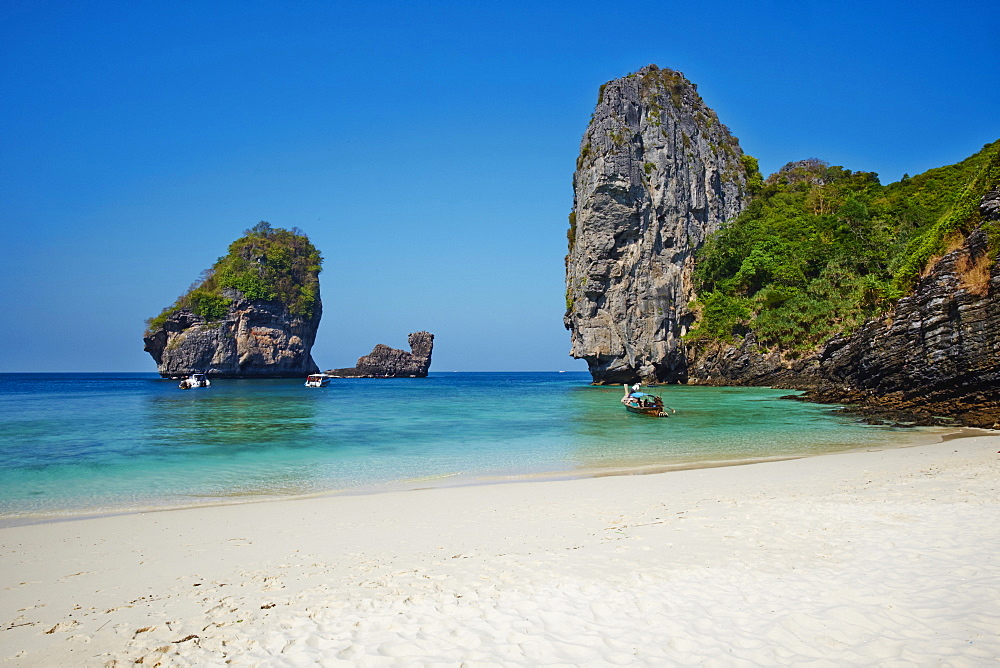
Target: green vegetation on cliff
266 263
820 248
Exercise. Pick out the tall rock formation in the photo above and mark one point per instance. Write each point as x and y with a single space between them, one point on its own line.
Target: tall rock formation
386 362
254 314
657 173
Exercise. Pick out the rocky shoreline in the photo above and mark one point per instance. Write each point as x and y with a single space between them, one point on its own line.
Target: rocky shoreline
935 359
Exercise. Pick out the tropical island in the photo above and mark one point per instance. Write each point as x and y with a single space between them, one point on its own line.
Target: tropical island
686 265
253 314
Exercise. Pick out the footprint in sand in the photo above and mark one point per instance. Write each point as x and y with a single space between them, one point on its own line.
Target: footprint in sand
63 626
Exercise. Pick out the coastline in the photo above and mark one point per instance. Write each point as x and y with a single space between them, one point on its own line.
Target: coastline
461 479
855 557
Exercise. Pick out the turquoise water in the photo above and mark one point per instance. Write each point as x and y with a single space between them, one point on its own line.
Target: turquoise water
92 443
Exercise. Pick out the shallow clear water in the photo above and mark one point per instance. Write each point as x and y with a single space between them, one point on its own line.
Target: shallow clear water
86 443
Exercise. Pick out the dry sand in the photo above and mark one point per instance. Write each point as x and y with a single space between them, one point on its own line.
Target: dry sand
887 558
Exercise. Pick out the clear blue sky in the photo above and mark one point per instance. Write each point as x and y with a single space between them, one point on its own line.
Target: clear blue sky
426 148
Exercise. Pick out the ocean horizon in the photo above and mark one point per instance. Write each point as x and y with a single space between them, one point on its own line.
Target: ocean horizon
82 444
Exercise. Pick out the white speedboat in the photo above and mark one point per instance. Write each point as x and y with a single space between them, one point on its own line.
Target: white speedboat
318 380
194 380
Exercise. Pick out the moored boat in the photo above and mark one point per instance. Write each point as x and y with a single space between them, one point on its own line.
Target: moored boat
643 403
194 380
318 380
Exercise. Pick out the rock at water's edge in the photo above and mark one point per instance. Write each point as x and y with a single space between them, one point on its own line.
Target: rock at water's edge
657 174
256 339
386 362
938 355
935 358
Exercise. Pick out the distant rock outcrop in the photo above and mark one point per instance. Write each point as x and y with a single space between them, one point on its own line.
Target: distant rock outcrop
386 362
254 314
657 173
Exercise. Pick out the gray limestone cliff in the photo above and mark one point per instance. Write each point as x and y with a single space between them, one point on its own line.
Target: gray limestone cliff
255 339
656 174
386 362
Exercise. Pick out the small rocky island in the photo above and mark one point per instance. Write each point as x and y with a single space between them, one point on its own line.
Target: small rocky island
254 314
386 362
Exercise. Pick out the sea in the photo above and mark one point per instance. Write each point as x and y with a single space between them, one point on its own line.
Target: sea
84 444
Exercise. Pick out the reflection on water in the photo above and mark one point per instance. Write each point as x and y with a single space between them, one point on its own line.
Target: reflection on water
232 416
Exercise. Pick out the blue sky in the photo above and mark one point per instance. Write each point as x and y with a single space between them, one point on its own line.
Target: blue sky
426 148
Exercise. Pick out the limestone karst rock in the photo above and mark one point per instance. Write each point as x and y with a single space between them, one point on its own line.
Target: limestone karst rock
657 173
386 362
253 315
255 339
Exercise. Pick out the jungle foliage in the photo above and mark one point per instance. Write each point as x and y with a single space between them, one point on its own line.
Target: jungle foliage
266 263
820 248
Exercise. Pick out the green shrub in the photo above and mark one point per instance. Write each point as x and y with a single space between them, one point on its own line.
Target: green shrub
961 215
600 92
266 263
208 305
820 249
755 182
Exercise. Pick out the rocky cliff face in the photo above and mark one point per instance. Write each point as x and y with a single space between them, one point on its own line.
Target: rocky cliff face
386 362
253 314
939 352
744 362
255 339
657 173
936 355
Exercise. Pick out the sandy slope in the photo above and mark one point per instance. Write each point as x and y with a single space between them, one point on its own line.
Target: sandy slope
862 558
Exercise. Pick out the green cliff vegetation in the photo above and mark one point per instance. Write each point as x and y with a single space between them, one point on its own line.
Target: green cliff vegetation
266 263
820 249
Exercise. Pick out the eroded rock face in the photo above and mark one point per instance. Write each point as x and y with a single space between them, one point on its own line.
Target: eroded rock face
939 352
386 362
256 339
743 362
937 355
657 173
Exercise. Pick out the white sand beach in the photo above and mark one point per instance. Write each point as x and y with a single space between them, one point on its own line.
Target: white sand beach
887 558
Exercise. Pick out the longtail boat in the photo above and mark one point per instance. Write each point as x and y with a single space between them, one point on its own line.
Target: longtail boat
644 404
